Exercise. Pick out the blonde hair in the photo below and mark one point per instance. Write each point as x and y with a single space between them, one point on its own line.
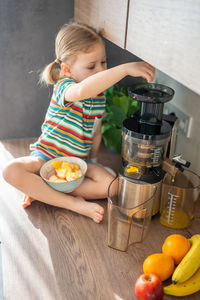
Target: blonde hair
72 39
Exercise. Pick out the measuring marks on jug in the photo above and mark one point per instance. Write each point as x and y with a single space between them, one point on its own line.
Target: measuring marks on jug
171 216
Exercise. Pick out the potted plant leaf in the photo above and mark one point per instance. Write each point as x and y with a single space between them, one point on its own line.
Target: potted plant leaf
119 106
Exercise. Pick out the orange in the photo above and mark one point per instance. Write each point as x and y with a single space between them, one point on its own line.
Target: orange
176 245
159 264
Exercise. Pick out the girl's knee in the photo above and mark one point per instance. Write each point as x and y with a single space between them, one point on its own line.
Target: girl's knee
11 173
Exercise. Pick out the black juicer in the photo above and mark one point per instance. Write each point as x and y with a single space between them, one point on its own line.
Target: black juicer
145 138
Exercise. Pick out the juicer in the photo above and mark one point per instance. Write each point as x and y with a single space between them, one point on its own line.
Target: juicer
145 140
148 144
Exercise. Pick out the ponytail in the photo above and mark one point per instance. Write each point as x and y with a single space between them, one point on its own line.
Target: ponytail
51 73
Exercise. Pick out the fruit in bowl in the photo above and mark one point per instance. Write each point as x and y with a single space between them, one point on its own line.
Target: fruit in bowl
65 171
64 174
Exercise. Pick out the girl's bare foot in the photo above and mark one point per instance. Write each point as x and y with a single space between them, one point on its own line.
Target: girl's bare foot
26 201
89 209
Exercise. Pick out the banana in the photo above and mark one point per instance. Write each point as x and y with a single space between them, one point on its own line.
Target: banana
188 287
190 263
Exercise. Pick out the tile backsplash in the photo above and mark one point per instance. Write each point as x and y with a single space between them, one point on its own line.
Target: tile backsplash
188 102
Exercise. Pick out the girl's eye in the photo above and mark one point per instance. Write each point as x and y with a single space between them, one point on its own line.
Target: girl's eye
103 62
91 67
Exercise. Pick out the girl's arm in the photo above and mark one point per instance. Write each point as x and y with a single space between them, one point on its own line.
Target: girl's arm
99 82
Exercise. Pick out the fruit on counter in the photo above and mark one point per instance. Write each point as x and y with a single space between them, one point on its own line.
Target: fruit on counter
160 264
149 287
65 171
176 245
190 263
188 287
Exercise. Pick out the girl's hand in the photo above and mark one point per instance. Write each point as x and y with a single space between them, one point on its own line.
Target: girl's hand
140 69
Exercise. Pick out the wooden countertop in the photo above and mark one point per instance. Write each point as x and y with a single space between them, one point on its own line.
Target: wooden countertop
50 253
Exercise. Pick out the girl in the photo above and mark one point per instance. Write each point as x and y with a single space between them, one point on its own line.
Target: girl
72 125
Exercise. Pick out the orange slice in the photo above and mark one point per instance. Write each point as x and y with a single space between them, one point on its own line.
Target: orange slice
57 164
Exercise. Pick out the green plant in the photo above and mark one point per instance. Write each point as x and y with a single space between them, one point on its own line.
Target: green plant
119 106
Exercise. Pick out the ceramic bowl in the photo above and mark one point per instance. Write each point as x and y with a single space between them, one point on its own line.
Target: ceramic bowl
66 187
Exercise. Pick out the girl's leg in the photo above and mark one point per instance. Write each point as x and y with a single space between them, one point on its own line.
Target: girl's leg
23 173
96 183
94 186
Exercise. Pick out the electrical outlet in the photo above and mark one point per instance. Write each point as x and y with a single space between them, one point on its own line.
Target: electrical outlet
185 121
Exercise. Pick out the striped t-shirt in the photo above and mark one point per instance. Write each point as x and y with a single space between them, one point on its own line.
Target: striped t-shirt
68 126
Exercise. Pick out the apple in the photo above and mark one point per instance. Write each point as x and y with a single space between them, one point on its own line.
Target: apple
149 287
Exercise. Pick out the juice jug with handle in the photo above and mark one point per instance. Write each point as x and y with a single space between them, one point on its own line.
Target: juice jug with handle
178 197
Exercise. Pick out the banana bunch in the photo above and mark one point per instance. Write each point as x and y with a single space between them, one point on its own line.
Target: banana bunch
186 277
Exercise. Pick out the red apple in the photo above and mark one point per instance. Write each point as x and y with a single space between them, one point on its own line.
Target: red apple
149 287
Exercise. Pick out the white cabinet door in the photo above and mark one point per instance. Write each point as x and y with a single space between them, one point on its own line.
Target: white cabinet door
167 35
108 16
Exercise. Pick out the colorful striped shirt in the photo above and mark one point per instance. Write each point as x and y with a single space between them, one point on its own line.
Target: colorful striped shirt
68 128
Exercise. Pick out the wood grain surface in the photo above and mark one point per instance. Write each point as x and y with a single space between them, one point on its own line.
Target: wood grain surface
109 17
50 253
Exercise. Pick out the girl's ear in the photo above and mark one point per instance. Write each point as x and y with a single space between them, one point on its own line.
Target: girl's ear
65 69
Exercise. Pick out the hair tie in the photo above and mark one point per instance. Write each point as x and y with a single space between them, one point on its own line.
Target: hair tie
57 61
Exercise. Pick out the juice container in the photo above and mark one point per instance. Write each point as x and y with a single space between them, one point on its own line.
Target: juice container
178 198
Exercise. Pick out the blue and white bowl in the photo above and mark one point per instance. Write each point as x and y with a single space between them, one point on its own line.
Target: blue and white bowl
48 170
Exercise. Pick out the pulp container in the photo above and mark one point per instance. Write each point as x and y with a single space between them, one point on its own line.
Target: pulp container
129 212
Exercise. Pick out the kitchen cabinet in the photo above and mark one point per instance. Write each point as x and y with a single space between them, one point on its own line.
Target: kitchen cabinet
164 33
108 16
167 35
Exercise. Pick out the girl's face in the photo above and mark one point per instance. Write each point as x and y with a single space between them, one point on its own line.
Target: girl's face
89 63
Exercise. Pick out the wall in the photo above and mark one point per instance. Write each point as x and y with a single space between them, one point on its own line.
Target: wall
27 34
116 56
